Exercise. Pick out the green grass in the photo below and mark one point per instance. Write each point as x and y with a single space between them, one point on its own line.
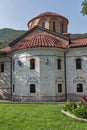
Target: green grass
36 117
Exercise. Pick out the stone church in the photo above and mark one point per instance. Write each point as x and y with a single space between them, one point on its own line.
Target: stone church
44 64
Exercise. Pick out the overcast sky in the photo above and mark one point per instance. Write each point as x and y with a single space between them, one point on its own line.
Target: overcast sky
16 13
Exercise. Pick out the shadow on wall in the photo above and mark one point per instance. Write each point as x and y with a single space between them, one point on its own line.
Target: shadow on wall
5 80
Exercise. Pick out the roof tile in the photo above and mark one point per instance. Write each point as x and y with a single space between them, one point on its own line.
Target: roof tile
79 42
39 40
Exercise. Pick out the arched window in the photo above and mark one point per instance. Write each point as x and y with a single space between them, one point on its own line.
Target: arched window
79 87
2 67
59 88
78 64
54 26
43 24
32 88
32 64
61 27
59 64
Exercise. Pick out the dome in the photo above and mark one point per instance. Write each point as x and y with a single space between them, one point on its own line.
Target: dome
40 40
51 21
48 14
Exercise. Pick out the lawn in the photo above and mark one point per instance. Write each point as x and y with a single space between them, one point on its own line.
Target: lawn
36 117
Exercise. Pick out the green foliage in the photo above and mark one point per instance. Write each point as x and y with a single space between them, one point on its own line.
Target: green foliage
70 106
8 35
80 112
81 104
78 35
84 7
79 109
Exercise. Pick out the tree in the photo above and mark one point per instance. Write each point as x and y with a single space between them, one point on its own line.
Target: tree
84 7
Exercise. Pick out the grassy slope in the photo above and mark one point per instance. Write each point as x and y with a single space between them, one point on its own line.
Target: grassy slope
78 35
36 117
8 35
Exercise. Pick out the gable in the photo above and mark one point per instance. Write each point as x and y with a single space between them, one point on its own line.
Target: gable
25 38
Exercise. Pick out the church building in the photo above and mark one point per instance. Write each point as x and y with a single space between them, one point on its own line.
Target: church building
44 64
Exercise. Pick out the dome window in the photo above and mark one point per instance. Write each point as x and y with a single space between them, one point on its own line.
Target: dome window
43 24
54 26
62 27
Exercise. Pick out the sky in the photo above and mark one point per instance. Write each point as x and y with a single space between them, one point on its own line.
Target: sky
15 14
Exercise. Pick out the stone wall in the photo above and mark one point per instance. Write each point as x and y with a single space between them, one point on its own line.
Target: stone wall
75 76
45 76
5 79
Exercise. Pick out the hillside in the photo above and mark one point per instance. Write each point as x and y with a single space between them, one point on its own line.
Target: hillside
7 35
78 35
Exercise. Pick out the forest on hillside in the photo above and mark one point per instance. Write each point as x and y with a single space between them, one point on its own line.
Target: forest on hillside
8 35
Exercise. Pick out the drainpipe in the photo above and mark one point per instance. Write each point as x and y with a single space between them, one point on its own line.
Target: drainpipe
65 75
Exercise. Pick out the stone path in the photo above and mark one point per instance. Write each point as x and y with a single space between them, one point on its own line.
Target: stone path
70 115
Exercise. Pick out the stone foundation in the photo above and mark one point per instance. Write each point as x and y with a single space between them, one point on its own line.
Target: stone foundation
5 93
39 99
74 97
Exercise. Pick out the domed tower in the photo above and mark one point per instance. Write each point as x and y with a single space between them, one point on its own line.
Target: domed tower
37 60
51 21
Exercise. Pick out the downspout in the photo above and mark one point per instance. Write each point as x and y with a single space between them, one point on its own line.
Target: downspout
11 77
65 75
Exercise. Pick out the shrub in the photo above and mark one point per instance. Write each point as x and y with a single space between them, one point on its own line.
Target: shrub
82 104
70 106
80 112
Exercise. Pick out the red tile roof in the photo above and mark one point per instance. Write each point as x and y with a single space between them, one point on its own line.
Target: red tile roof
78 42
48 14
39 40
5 50
43 40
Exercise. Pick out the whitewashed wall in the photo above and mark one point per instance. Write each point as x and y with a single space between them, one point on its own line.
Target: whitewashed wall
5 78
75 76
45 76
